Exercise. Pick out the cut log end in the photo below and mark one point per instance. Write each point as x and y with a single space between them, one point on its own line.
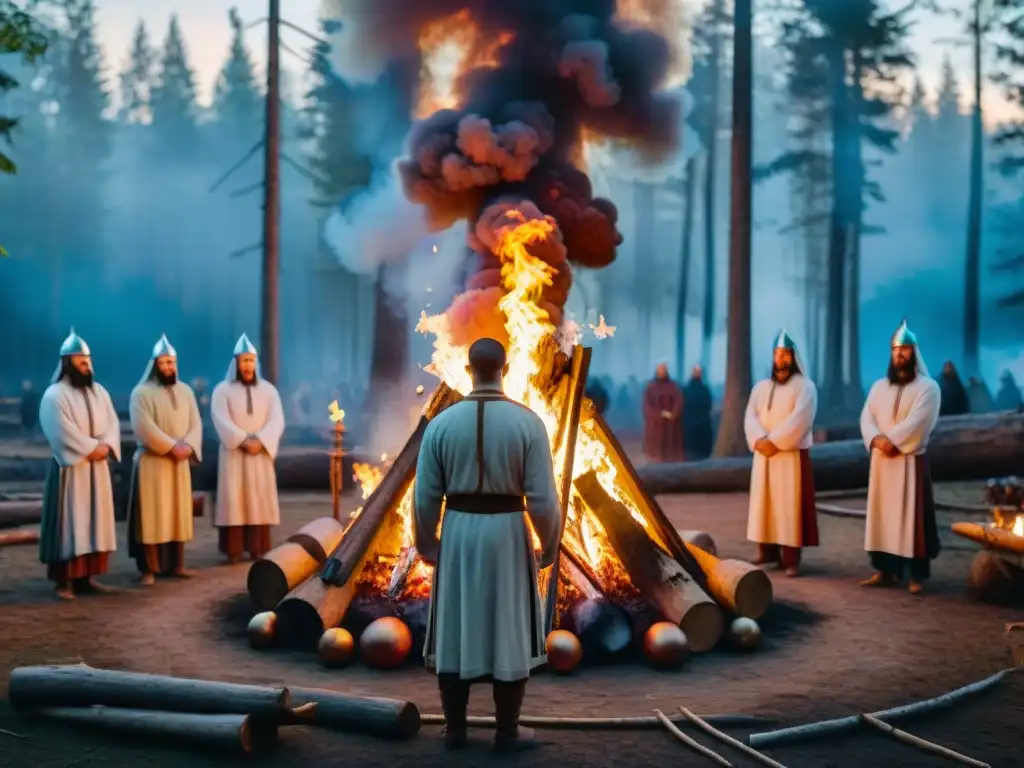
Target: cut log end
754 594
267 585
703 626
299 624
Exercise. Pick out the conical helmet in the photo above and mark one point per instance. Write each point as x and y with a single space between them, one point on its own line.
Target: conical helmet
163 348
74 345
244 347
904 337
784 341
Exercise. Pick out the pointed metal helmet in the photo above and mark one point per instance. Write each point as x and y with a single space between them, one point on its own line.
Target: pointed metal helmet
163 348
74 345
784 341
904 337
244 347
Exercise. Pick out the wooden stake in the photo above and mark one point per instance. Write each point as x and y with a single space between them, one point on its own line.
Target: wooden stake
691 742
916 741
727 739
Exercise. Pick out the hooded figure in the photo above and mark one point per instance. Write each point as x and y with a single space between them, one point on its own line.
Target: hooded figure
1008 398
954 395
169 435
78 418
663 410
778 424
698 433
248 416
899 415
978 397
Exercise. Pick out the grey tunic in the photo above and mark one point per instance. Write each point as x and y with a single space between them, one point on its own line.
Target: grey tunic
485 610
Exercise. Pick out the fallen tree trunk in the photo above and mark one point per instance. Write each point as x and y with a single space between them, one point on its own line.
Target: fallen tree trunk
18 537
290 563
228 733
961 448
740 587
14 514
604 628
385 718
78 685
657 576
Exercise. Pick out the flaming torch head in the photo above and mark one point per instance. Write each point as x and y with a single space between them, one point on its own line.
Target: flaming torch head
337 416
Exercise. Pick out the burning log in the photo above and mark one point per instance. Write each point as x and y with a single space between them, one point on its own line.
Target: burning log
287 565
960 448
385 718
739 587
229 733
78 685
990 537
604 629
658 576
320 602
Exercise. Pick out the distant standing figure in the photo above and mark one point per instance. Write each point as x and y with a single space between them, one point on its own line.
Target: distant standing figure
954 396
899 415
663 409
1008 398
29 407
169 434
978 396
697 403
249 420
78 533
778 425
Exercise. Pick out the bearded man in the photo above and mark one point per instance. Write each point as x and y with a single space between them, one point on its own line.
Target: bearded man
249 419
169 434
488 460
80 423
782 519
901 411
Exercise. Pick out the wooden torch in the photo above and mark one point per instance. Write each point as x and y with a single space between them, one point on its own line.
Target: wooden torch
337 455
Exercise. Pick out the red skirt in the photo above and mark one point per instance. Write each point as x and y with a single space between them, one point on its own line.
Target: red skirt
808 506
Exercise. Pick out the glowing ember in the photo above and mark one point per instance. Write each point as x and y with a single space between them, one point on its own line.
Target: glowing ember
335 413
1018 526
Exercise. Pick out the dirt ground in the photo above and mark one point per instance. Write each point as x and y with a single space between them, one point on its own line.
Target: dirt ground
830 649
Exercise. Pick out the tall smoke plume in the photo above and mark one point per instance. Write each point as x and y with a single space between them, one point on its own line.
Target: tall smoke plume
548 74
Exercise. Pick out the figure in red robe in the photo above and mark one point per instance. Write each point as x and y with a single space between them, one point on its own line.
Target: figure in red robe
663 409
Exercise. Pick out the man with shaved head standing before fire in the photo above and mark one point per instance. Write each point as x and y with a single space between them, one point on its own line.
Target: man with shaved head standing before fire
487 459
899 415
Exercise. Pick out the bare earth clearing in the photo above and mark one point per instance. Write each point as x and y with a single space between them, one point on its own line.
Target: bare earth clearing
830 649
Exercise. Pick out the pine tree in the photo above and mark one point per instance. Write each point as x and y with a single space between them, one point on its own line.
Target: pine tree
948 97
173 97
19 34
136 81
236 100
83 91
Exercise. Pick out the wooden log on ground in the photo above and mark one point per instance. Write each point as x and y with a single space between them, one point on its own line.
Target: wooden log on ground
994 579
320 602
740 587
227 733
78 685
657 575
19 537
14 514
961 448
290 563
384 718
604 628
700 539
998 539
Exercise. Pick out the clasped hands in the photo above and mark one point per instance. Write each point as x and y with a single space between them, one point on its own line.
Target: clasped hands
181 451
766 447
251 445
666 415
99 453
886 446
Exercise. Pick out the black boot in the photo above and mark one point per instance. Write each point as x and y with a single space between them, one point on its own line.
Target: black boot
454 700
508 701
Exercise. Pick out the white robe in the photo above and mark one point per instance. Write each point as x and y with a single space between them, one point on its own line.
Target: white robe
906 415
162 490
784 414
79 518
246 484
486 615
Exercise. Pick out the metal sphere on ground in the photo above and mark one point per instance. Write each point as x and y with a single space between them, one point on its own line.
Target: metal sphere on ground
665 645
261 629
744 634
564 651
386 643
336 647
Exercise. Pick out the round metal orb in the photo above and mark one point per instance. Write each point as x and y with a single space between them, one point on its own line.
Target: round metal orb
385 643
665 645
336 647
564 651
744 634
261 629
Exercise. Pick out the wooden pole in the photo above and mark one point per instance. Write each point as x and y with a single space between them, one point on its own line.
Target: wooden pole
269 351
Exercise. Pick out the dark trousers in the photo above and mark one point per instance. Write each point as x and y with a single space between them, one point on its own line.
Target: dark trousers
894 566
788 557
508 702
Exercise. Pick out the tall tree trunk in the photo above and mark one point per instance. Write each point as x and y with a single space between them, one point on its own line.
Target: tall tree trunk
972 265
855 225
643 220
686 257
711 186
731 440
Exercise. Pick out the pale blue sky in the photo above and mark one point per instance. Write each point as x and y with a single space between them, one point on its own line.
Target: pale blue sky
207 34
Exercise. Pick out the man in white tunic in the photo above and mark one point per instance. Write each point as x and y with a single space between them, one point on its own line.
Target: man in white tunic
898 418
169 434
778 424
78 418
489 460
247 415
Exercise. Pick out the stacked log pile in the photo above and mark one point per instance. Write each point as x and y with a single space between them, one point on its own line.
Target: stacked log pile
225 717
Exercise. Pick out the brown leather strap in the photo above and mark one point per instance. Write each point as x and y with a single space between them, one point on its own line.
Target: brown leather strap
480 446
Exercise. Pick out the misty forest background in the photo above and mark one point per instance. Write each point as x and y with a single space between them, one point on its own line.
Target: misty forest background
111 225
